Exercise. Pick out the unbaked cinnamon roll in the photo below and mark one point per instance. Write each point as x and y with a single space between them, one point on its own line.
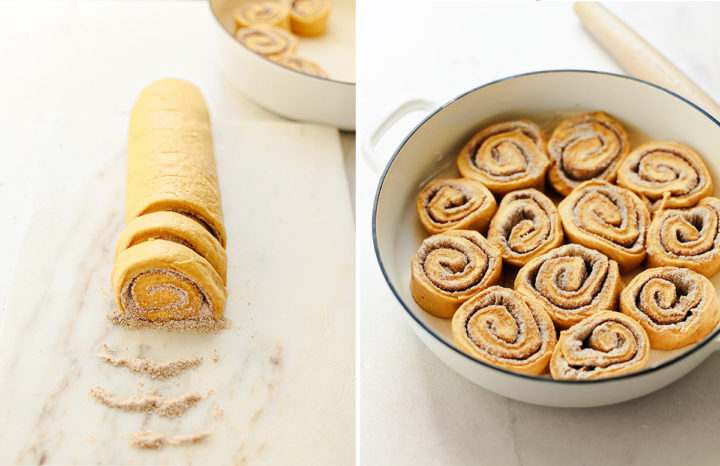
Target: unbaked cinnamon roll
303 65
309 17
606 344
506 156
449 268
272 42
589 146
262 14
498 327
570 283
608 218
675 306
525 226
455 204
686 238
666 174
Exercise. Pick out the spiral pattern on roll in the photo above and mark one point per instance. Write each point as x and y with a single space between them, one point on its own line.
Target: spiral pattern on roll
606 344
498 327
525 226
450 267
303 65
506 156
675 306
667 174
589 146
272 42
262 14
608 218
570 283
686 238
455 204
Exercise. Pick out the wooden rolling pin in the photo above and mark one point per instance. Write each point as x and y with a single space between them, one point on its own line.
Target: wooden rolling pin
637 57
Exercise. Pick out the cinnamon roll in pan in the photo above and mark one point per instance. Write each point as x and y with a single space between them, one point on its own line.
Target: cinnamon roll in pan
506 156
455 204
497 326
450 267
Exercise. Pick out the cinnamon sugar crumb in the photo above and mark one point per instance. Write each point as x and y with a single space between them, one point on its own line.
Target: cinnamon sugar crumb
155 369
156 440
215 356
217 413
190 325
147 402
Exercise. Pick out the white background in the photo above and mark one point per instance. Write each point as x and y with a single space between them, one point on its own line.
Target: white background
412 408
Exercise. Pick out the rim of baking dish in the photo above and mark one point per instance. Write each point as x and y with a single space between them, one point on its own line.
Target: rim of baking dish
219 23
381 182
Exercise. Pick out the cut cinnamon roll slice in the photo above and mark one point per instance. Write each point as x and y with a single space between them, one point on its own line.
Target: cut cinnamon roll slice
675 306
498 327
455 204
163 280
450 267
686 238
586 147
608 218
309 17
525 226
272 42
666 174
303 65
606 344
262 14
506 156
570 283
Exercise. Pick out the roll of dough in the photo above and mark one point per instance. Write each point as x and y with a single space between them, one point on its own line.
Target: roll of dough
171 162
170 261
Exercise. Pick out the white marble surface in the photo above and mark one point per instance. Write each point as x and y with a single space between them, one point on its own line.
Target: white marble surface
412 408
284 378
70 72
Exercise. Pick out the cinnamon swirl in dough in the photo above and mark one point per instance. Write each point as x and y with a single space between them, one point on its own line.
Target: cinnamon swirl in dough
262 14
525 226
675 306
686 238
498 327
450 267
570 283
606 344
455 204
273 42
589 146
506 156
666 174
303 65
608 218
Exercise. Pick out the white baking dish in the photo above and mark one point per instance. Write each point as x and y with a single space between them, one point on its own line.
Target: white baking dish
431 148
287 92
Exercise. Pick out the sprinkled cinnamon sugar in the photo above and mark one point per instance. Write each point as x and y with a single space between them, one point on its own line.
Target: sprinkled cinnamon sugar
147 402
155 440
155 369
190 325
215 356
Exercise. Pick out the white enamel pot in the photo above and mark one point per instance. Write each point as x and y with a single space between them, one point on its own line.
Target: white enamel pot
286 92
431 148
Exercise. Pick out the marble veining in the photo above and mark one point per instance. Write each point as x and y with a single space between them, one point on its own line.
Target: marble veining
284 377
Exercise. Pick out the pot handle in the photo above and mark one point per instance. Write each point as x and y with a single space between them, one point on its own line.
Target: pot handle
371 140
